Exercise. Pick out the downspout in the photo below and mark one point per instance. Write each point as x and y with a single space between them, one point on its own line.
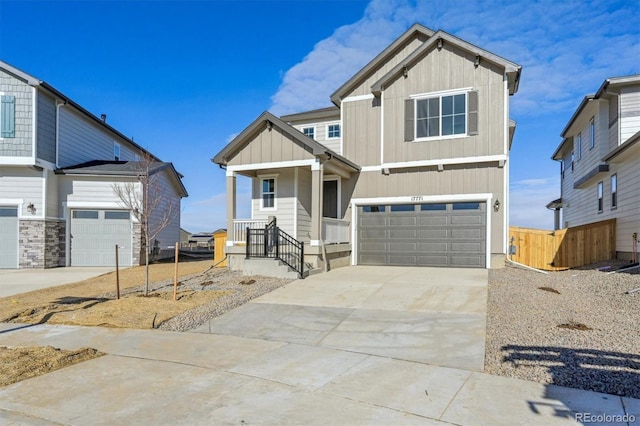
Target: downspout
58 105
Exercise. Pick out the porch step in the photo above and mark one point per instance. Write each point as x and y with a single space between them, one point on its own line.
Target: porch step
268 268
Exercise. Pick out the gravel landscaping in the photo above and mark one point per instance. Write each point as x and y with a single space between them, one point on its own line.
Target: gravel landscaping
575 328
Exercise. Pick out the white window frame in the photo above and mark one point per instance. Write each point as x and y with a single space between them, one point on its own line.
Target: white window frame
592 131
261 178
313 131
600 194
614 191
440 95
339 129
117 151
579 146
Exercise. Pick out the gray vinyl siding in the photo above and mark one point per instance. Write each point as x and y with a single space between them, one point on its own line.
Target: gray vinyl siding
629 112
285 204
469 179
270 146
81 140
321 133
22 183
304 204
46 136
448 69
89 189
22 144
168 236
591 157
614 122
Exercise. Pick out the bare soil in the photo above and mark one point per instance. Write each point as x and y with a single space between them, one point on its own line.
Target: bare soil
17 364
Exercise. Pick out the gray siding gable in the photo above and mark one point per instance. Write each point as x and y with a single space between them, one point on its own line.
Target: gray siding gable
46 135
21 145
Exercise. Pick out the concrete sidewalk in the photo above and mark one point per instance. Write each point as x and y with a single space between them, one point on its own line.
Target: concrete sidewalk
15 281
155 377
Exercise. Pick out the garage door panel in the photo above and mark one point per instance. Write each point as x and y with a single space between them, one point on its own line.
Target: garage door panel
445 234
8 237
94 237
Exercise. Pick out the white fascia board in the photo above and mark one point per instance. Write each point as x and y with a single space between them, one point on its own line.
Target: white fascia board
441 93
273 165
442 161
94 205
358 98
34 123
17 161
382 126
445 198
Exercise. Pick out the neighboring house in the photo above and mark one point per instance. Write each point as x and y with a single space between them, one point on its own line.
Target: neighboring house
58 167
410 167
184 236
600 162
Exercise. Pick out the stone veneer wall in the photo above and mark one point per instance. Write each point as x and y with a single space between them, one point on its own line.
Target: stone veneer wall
42 243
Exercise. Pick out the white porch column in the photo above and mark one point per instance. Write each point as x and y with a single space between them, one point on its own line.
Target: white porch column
231 206
316 202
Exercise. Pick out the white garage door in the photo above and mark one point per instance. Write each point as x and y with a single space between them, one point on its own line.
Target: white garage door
94 235
435 234
8 237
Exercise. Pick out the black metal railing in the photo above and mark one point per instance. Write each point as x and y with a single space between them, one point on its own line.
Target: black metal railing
272 242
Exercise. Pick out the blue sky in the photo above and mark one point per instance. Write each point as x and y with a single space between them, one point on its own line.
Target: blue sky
184 77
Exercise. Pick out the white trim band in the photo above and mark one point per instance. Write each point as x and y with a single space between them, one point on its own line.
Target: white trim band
274 165
358 98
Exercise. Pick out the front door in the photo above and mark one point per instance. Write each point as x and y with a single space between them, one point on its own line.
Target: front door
330 198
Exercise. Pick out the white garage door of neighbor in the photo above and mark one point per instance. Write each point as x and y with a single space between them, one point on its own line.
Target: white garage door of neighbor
428 234
94 235
8 237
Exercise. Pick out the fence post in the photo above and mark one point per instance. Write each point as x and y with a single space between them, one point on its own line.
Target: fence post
301 259
265 241
117 276
248 238
276 239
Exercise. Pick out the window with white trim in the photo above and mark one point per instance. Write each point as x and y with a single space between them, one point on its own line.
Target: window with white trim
310 132
614 191
268 193
116 151
441 116
333 131
600 195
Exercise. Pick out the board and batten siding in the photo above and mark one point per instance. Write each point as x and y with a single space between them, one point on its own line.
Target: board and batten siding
81 140
22 183
461 179
285 204
361 132
629 112
270 146
450 68
21 145
46 136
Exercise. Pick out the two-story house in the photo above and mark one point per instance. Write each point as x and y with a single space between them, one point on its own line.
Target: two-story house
59 166
409 167
600 163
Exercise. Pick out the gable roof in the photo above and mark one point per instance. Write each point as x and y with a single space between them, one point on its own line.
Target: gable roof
367 70
512 69
265 119
35 82
121 168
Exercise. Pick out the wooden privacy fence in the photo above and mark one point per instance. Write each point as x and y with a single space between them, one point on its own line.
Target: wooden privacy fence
219 248
564 248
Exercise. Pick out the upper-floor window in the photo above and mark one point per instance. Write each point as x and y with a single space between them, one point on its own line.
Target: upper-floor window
309 131
572 160
448 114
268 193
116 151
333 131
579 146
592 133
8 117
600 195
614 191
562 169
441 116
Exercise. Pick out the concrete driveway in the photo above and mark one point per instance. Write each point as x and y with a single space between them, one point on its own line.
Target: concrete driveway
14 281
434 316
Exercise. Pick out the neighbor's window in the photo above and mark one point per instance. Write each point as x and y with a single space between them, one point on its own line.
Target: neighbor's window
572 160
579 145
116 151
309 131
268 200
8 117
592 133
333 131
600 192
614 191
441 116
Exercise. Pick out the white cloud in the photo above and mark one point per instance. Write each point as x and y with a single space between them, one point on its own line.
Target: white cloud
528 200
